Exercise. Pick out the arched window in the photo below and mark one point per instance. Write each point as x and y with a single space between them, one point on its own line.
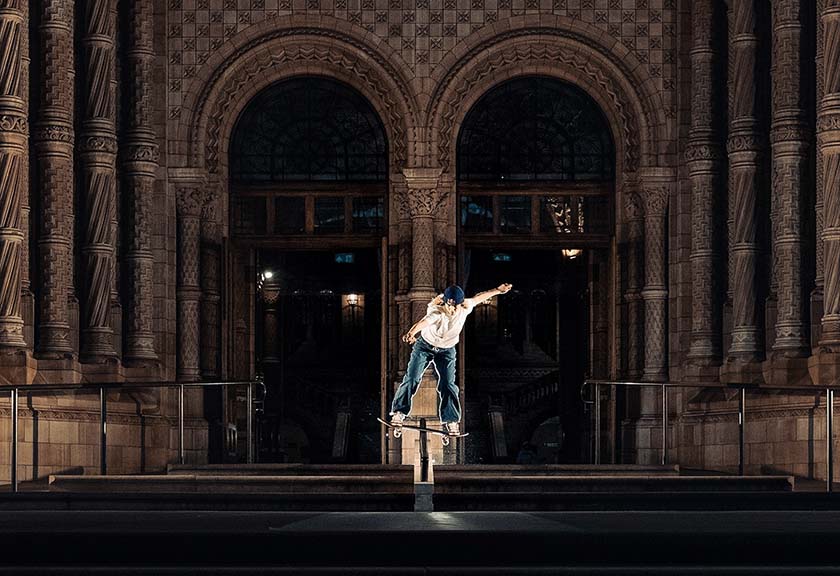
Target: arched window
309 129
535 128
308 156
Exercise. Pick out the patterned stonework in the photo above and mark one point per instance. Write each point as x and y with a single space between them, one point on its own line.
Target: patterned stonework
98 161
424 197
139 162
828 127
14 143
703 157
744 147
634 215
54 152
789 137
655 292
422 33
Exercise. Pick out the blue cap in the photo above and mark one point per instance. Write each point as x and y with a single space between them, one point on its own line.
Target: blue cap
453 293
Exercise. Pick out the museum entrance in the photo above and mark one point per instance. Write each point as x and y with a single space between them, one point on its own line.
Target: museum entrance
318 328
535 191
308 189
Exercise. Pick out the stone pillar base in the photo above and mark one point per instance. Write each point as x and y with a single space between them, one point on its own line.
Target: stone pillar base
58 371
701 373
110 370
17 367
824 368
781 370
741 371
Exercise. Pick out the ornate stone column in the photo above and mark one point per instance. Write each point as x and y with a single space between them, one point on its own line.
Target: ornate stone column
828 127
191 196
704 159
789 137
97 151
655 293
423 197
14 148
744 147
139 154
53 137
211 278
634 211
825 365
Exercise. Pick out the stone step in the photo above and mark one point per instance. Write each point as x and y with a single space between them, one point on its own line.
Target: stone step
291 469
480 484
235 484
558 470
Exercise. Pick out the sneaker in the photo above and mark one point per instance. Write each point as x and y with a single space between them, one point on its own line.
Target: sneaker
397 418
453 428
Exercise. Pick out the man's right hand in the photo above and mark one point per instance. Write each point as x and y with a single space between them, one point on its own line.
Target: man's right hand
409 338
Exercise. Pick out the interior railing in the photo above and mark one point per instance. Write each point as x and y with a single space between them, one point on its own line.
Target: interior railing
103 388
596 385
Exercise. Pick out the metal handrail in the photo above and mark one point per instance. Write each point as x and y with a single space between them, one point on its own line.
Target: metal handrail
742 402
102 388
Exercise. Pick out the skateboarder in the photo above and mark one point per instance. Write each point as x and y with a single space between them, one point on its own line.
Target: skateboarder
439 331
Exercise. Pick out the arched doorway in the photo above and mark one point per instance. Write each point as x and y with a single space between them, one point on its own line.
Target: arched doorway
308 186
535 179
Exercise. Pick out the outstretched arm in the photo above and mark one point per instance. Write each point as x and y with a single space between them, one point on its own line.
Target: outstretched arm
487 294
411 336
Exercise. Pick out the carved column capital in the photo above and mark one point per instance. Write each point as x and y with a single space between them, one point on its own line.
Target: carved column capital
634 208
423 195
655 200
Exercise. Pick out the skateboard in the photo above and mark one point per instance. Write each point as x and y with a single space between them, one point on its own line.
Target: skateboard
444 436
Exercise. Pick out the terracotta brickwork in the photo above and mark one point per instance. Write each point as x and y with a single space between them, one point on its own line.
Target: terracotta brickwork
136 274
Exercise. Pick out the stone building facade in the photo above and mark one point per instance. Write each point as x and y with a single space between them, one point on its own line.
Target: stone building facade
721 264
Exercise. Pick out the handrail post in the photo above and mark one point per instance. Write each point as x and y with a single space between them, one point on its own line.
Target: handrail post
664 424
597 393
103 432
250 422
181 459
14 477
829 439
742 402
424 453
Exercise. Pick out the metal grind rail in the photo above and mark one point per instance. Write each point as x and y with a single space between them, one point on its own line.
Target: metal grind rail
102 388
742 409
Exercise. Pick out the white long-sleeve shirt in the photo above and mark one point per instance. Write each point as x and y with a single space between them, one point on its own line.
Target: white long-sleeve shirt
444 330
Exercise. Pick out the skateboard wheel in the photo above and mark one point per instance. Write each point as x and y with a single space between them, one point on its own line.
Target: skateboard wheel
444 440
397 432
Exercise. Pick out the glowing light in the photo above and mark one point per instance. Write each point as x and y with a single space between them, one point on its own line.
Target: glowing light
353 299
571 253
268 274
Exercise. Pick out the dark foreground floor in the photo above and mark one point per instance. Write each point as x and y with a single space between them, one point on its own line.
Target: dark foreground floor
407 543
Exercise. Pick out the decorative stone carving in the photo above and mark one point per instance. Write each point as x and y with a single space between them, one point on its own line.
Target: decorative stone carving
191 195
703 156
423 197
98 157
537 53
634 211
139 154
789 137
744 148
828 128
14 143
295 52
655 293
53 138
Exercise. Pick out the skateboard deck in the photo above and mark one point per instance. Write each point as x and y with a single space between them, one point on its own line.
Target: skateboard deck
445 436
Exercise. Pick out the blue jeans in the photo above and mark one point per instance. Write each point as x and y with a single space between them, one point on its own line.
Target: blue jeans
422 354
